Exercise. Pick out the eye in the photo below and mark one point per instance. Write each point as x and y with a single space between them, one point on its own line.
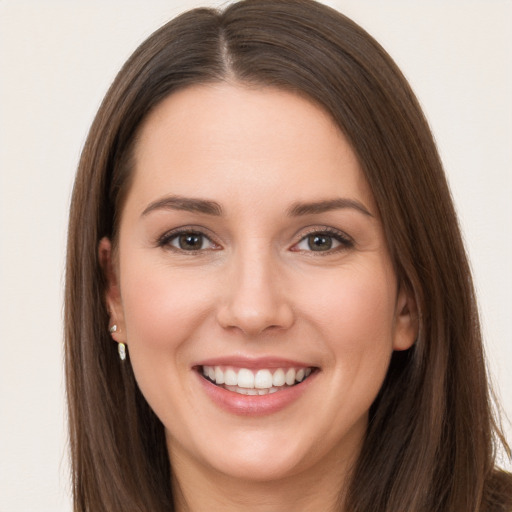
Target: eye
190 241
323 241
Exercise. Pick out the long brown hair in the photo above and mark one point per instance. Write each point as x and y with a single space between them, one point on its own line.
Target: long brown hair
431 438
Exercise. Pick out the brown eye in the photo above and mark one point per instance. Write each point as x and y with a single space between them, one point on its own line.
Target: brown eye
190 241
324 241
319 242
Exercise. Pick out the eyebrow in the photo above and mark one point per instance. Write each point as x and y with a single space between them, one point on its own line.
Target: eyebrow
298 209
213 208
188 204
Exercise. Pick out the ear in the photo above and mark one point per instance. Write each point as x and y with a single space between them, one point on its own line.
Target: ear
406 319
112 293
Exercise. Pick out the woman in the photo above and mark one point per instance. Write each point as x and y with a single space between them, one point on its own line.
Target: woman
261 222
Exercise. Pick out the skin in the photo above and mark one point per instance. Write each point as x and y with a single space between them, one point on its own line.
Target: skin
254 288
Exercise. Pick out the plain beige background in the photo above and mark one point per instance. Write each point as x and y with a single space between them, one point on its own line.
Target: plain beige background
57 59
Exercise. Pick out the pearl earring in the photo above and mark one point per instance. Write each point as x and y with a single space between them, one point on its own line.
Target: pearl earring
121 348
113 329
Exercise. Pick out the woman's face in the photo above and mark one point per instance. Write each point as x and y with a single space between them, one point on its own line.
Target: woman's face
251 250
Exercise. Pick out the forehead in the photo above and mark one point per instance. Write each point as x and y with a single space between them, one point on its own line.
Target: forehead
229 139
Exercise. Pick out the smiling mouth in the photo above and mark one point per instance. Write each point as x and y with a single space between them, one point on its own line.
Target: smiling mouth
255 382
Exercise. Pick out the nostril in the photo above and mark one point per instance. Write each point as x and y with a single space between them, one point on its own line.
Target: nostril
253 320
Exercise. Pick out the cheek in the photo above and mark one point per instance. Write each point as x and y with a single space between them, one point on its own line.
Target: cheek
355 306
163 309
159 302
354 313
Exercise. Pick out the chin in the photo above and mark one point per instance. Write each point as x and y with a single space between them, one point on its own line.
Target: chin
249 455
262 466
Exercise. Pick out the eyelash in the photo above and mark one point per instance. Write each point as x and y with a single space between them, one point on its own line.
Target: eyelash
344 240
167 238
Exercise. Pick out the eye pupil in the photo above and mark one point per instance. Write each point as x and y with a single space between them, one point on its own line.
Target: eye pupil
190 241
319 242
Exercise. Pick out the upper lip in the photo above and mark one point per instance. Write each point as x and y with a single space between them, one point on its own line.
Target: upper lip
250 362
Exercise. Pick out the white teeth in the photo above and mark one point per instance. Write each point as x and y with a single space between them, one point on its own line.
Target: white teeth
263 379
290 377
245 391
219 375
278 378
252 382
230 377
245 378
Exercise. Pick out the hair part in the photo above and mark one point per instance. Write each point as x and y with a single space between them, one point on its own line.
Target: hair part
430 442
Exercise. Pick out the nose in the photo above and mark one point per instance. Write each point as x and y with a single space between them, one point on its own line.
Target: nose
254 299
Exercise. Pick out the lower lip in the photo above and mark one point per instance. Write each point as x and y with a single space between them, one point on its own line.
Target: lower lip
255 405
